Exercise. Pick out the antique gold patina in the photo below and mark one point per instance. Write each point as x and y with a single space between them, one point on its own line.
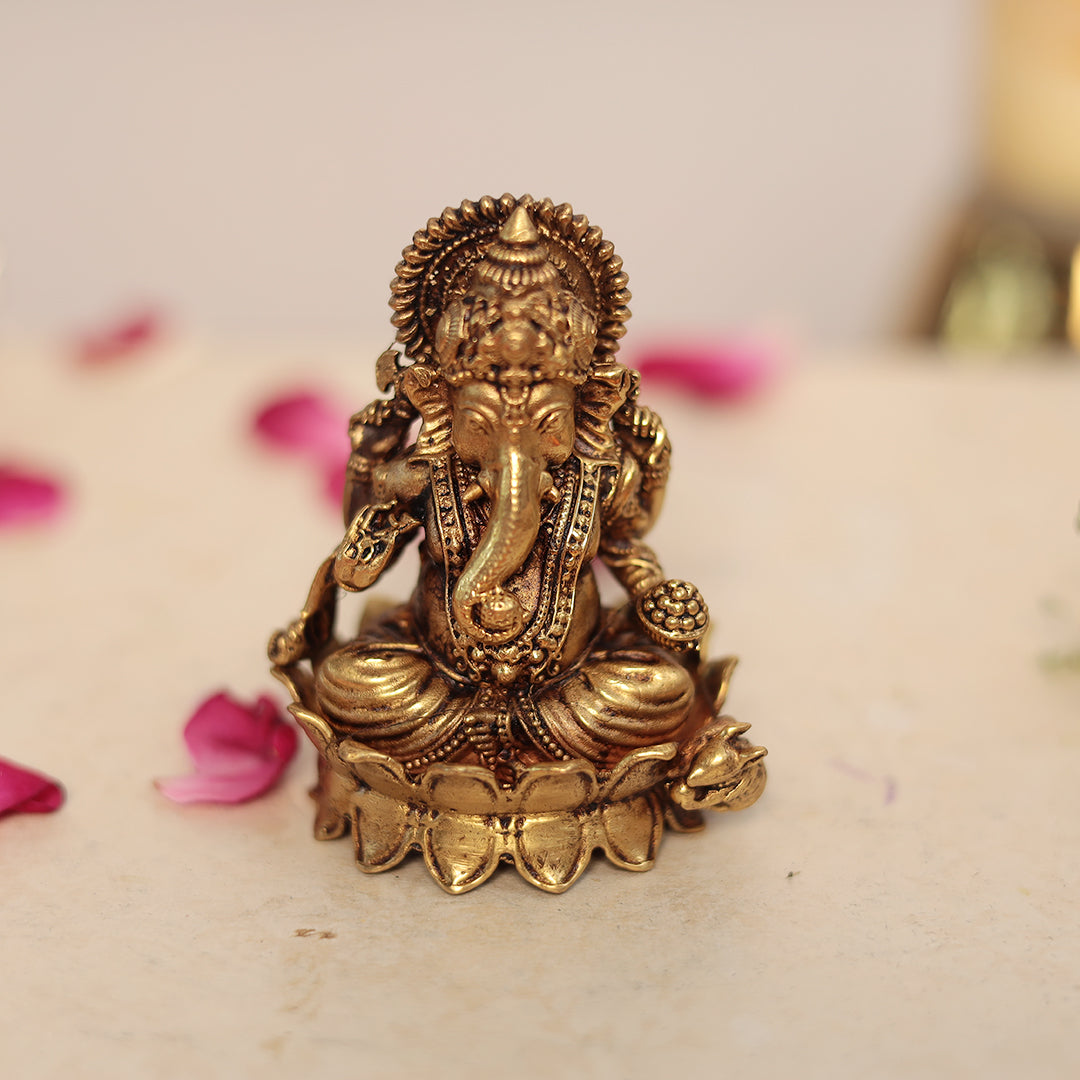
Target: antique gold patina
503 713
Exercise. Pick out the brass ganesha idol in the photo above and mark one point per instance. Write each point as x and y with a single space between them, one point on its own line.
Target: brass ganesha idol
502 713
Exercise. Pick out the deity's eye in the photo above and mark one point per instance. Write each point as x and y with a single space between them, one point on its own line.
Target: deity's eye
476 421
554 420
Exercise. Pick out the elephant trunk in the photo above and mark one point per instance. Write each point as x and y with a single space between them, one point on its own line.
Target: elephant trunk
483 608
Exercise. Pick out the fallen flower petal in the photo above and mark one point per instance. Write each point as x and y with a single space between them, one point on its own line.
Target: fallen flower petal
23 791
124 338
721 371
312 427
239 751
27 497
305 422
227 788
334 481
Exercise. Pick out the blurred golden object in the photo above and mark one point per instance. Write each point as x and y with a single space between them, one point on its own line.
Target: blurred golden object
1004 279
1074 300
503 714
1032 115
1003 294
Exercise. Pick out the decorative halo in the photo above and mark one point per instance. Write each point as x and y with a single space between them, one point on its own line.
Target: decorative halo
435 267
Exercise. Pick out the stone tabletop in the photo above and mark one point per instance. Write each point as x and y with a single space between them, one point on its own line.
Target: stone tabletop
887 541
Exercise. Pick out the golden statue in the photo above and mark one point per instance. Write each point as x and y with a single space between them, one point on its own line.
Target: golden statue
503 713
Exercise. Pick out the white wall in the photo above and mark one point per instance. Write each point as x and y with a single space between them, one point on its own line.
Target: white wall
256 166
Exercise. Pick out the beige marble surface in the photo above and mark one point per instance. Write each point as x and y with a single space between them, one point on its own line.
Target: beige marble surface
887 542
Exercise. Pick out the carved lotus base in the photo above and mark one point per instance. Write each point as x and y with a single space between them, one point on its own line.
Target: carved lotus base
552 818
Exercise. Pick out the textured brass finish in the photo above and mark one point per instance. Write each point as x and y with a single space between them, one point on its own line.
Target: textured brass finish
502 713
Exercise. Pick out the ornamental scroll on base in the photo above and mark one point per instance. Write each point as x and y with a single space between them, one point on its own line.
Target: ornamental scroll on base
502 713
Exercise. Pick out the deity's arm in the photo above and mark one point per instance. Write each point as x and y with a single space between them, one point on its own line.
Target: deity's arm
385 481
643 434
672 612
378 434
313 627
384 488
373 541
634 499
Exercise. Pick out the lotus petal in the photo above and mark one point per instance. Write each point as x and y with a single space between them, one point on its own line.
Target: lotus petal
378 771
551 851
633 828
383 832
460 851
330 822
315 727
333 795
462 788
563 785
639 771
300 684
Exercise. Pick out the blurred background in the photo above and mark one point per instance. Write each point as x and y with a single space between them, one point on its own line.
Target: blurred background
253 168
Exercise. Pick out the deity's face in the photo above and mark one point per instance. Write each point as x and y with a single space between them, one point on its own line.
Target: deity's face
513 437
537 423
512 359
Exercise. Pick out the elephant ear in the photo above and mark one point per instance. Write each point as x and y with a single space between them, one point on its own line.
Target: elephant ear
451 331
606 391
430 396
582 334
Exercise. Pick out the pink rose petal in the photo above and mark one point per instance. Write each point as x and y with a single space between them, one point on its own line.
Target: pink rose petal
23 791
334 481
312 427
720 370
121 340
307 423
27 497
239 751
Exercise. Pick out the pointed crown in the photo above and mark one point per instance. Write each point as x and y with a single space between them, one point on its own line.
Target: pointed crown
516 322
504 254
517 260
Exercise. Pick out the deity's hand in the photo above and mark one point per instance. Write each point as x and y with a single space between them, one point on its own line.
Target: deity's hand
299 639
369 544
424 389
288 646
644 430
674 615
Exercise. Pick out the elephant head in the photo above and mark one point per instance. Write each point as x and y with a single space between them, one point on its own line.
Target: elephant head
508 392
513 444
